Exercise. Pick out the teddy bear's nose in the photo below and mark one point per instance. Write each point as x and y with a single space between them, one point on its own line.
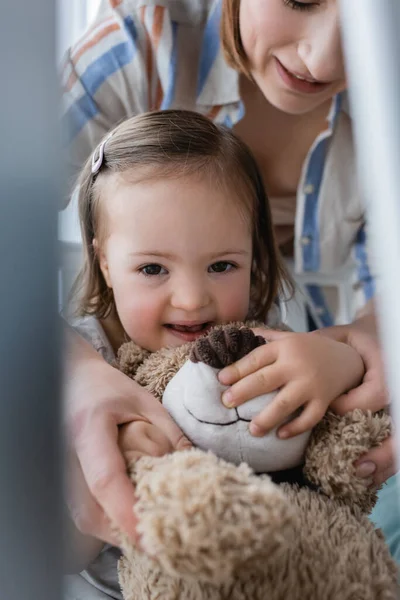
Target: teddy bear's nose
224 346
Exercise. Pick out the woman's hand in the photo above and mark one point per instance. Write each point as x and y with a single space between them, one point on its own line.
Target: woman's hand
309 371
362 335
372 394
103 408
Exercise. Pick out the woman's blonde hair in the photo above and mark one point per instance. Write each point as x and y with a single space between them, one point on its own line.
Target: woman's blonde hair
175 143
230 36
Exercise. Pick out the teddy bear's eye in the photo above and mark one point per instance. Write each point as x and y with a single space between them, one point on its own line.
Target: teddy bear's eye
152 269
220 267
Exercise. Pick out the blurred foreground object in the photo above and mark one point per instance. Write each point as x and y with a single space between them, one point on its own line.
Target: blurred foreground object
372 53
30 440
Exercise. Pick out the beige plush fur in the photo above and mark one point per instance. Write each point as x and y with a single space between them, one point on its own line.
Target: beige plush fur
218 533
334 446
215 531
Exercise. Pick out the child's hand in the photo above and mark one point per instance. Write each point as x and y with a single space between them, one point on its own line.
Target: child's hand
310 370
141 438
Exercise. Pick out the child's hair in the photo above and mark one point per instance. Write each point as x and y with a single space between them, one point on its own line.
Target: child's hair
177 143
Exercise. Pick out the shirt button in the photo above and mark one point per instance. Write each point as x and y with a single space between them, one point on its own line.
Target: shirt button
309 188
319 310
306 240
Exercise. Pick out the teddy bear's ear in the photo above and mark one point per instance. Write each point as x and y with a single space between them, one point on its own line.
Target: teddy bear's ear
224 346
159 368
130 356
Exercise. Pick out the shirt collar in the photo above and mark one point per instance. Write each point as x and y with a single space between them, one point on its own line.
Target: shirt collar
336 107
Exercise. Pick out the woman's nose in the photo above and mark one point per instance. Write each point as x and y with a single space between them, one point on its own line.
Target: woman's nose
321 48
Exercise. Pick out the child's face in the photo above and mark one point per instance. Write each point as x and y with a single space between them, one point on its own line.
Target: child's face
294 50
178 257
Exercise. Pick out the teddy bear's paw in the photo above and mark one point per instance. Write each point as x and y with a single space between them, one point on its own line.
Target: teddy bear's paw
206 519
336 443
225 345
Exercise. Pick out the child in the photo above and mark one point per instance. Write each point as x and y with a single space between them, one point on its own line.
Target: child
178 237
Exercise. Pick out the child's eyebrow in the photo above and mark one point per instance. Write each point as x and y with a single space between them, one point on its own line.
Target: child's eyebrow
158 254
155 253
230 251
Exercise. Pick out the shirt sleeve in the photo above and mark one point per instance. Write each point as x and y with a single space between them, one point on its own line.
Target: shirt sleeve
91 330
104 80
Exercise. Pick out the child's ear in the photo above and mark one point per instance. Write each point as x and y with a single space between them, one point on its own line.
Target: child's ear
101 257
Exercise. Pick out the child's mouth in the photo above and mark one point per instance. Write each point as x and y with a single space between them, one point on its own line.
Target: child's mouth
189 332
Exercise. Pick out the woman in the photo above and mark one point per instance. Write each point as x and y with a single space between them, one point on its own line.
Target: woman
283 94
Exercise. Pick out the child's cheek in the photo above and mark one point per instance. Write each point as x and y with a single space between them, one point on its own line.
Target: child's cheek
141 313
235 306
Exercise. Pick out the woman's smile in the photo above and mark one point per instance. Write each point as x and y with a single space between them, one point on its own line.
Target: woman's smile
299 83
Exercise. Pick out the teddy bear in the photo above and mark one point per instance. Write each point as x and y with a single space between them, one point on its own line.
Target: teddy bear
245 518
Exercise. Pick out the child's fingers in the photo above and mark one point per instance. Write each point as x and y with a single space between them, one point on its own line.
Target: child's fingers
252 362
263 381
143 438
288 400
308 418
154 412
271 335
140 438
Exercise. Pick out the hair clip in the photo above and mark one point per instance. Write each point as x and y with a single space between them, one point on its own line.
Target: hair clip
96 163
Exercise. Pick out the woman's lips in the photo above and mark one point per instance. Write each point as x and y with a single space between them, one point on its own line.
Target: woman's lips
298 84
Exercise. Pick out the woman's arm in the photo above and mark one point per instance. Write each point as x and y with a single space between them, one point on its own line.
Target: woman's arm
98 400
363 336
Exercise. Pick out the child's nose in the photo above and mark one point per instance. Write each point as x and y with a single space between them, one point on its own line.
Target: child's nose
190 295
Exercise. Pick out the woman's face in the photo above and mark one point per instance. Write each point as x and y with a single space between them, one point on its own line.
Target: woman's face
294 51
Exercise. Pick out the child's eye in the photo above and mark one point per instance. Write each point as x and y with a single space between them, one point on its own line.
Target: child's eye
296 5
152 269
220 267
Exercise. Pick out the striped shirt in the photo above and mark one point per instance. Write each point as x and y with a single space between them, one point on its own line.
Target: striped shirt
143 55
